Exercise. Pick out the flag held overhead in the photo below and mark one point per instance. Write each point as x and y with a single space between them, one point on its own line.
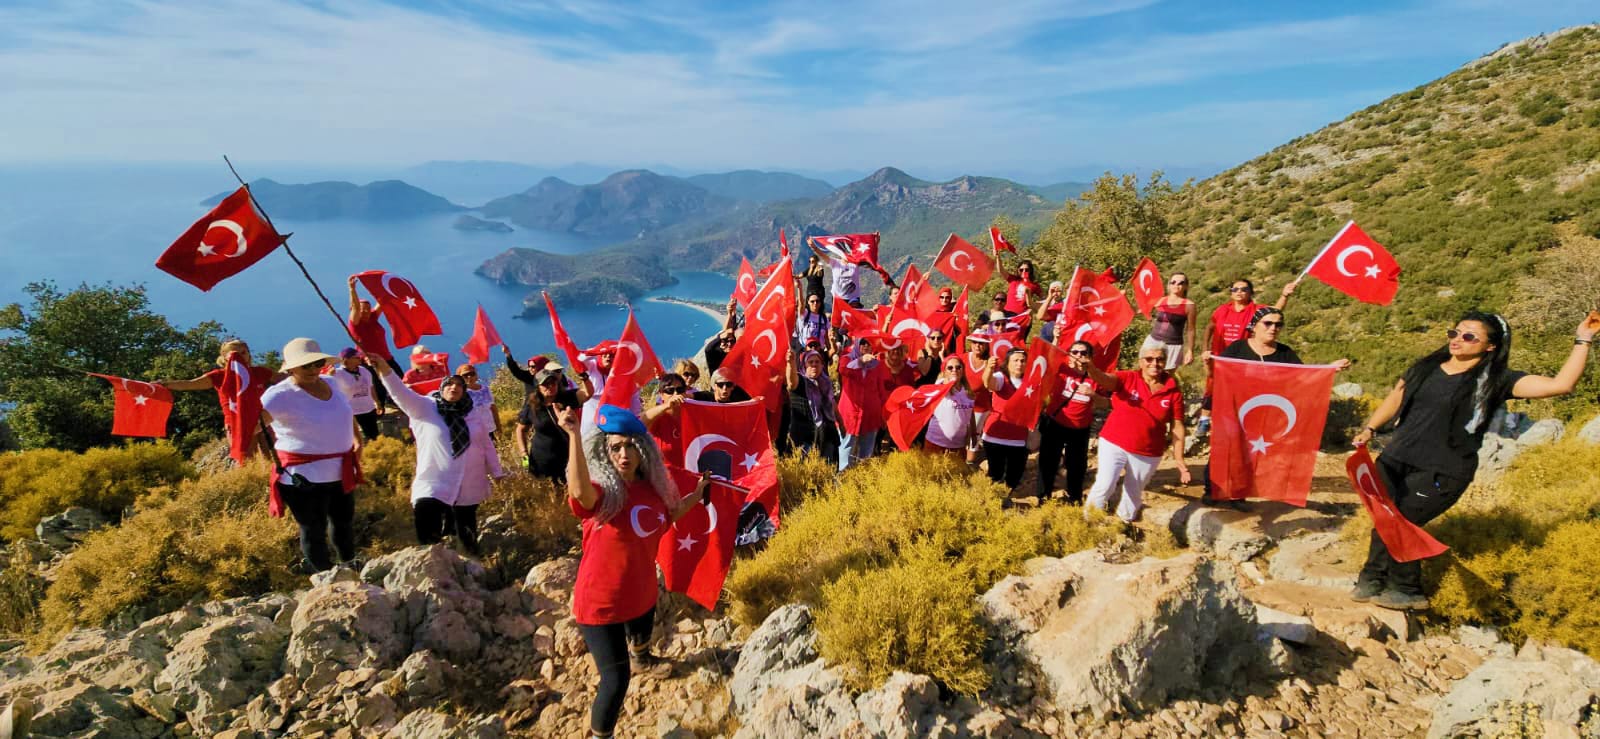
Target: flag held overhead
1355 265
223 243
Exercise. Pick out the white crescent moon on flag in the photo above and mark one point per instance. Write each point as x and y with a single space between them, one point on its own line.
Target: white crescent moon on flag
1039 363
711 511
957 267
772 355
761 310
633 518
243 374
1365 481
747 282
1144 276
389 277
638 358
1273 401
149 389
911 324
238 236
1082 329
691 454
1088 289
1345 254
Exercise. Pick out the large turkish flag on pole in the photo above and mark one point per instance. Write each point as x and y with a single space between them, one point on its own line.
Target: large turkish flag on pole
1266 425
757 360
964 263
1355 265
409 316
484 338
562 338
1405 540
226 241
744 288
141 407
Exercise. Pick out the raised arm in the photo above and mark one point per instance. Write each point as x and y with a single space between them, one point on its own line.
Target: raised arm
1536 386
579 487
202 382
521 373
1283 297
409 401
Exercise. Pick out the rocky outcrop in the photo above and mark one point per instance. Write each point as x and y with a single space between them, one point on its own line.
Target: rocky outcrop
65 531
1542 691
1510 434
1110 638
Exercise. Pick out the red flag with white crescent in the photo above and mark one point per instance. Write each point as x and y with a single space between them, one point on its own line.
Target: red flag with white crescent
633 365
425 387
908 328
783 245
1266 426
240 391
963 317
1146 284
223 243
409 316
908 409
999 241
1355 265
758 358
697 551
850 319
563 339
911 289
964 263
1405 540
1044 369
853 248
744 288
484 338
141 408
731 441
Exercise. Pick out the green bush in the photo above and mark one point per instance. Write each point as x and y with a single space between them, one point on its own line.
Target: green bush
43 482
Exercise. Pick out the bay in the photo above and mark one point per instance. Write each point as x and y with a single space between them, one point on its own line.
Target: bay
108 224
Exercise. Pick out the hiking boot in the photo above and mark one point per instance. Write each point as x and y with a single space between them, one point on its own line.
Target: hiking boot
644 662
1365 590
1395 600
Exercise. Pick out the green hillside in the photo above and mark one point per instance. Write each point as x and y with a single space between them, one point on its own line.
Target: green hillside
1485 184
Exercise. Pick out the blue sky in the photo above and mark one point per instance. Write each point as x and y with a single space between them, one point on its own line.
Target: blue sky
1026 88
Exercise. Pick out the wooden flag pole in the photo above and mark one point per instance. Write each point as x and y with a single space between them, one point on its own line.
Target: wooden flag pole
314 286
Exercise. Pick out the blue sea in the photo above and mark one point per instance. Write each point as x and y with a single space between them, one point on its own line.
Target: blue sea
108 224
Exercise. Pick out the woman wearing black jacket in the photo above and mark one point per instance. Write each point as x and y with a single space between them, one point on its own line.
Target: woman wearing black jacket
1442 406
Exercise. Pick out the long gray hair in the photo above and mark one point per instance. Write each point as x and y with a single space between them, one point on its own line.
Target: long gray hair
608 480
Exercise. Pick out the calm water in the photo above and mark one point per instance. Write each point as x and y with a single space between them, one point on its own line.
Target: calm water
109 225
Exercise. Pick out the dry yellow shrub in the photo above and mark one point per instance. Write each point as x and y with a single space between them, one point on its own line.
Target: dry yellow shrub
43 482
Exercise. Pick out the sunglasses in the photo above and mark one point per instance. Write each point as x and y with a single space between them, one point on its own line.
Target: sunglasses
1178 282
1466 337
1272 324
1080 353
675 390
723 384
1239 290
954 367
1152 360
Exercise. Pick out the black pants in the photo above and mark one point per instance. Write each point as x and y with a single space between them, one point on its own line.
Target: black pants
608 647
550 467
369 424
314 507
1421 496
1006 463
434 520
1058 443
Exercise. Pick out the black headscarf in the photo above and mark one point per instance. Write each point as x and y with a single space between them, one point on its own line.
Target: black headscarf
455 418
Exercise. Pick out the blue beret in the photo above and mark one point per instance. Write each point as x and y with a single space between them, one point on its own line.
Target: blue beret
614 420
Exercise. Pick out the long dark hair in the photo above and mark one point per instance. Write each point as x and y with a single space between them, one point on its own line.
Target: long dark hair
1484 379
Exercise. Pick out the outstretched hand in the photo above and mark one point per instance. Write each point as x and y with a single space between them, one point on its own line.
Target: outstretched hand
1590 326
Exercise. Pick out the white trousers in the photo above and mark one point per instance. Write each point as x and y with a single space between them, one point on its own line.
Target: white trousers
1135 470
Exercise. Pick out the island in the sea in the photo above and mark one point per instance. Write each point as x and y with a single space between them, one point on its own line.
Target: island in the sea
473 223
608 276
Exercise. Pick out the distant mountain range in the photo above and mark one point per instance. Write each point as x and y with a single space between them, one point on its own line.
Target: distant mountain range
383 200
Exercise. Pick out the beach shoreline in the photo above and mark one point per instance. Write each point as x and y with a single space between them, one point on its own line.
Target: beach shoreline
717 315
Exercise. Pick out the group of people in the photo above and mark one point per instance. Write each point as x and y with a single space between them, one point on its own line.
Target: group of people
319 408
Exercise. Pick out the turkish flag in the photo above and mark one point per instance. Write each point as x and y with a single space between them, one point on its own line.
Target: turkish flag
732 442
1266 425
241 410
853 248
141 407
697 551
409 316
484 337
1405 540
633 365
758 358
852 320
999 241
1002 343
964 263
1355 265
563 340
962 318
1147 287
908 327
425 387
233 236
910 290
1044 370
908 409
783 245
744 288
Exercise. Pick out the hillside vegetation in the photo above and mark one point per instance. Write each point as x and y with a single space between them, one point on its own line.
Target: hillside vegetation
1485 184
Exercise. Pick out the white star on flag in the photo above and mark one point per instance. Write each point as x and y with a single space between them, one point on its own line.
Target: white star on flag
140 399
910 406
207 249
1259 445
755 362
1099 310
232 406
410 302
1372 271
1027 392
686 543
749 462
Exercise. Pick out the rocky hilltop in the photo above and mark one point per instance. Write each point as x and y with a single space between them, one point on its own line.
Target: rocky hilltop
382 200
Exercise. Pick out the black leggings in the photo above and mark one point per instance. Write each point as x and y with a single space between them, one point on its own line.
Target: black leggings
314 507
1058 443
1421 496
608 647
434 520
1006 463
369 424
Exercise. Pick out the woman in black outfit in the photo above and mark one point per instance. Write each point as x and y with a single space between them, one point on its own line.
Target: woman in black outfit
539 436
1442 406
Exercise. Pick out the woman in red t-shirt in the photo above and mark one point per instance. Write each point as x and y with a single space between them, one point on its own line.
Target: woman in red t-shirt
1146 415
618 485
1064 429
1230 322
260 379
1005 444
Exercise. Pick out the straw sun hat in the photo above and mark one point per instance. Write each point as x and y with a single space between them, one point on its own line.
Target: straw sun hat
301 352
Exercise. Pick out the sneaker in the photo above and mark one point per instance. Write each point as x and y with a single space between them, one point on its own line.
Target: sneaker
1395 600
1365 590
644 662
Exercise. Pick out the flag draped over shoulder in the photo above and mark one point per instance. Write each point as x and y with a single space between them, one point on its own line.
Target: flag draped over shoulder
1266 425
223 243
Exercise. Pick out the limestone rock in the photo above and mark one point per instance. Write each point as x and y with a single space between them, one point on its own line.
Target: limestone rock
444 598
346 626
1590 432
1235 535
1347 390
423 676
1286 626
65 530
1314 559
434 725
781 688
85 708
1560 696
221 666
1111 637
1509 435
554 577
900 708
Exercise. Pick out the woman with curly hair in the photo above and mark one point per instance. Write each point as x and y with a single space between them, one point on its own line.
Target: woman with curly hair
619 485
1442 407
